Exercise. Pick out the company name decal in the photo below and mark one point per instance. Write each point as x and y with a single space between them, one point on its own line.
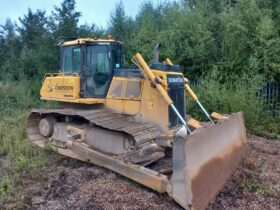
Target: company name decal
64 88
175 80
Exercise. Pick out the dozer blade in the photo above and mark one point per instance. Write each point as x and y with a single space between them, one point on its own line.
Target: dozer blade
204 160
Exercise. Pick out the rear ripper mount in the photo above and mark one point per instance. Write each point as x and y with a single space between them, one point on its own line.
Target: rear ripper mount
195 178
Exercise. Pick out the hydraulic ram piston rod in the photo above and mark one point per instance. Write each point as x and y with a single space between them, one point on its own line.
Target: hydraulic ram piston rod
191 93
180 117
140 62
195 98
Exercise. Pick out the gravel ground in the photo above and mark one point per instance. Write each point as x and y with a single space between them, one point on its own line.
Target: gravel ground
255 185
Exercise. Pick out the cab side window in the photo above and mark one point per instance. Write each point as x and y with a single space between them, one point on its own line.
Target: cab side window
98 78
118 56
71 60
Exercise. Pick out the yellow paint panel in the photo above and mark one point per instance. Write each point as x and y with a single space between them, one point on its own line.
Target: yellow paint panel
219 116
61 87
84 40
133 89
125 88
116 88
78 101
154 108
124 106
194 123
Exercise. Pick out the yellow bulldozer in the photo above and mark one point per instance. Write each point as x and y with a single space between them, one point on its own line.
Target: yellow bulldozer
134 122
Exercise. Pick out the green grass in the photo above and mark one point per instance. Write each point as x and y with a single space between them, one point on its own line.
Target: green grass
25 160
5 187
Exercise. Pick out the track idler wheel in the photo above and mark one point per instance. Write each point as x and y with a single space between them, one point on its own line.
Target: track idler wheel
46 126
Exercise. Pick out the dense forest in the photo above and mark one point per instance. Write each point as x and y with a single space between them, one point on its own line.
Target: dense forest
233 37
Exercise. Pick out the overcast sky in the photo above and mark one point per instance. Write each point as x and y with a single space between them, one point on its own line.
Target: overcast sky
93 11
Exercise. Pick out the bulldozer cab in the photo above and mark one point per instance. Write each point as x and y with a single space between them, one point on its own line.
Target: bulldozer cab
95 63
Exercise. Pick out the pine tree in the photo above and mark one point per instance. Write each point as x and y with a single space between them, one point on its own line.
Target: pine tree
34 26
123 29
11 46
66 19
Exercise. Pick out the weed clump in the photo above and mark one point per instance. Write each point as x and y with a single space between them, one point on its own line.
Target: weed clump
5 187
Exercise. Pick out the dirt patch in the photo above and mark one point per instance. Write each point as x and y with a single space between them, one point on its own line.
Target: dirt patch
255 185
93 187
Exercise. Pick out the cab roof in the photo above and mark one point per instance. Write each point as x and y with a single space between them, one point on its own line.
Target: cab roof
86 40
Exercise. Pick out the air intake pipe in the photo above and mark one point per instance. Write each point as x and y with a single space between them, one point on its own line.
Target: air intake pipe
156 53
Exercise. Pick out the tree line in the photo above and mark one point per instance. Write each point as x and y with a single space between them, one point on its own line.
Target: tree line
230 37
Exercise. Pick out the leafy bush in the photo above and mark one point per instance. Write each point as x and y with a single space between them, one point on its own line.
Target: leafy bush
19 95
234 95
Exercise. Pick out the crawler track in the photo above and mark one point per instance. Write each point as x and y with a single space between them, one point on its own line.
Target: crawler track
105 118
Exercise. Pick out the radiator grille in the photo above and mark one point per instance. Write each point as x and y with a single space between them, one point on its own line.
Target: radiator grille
176 92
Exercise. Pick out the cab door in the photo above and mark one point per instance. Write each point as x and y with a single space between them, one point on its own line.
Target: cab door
97 71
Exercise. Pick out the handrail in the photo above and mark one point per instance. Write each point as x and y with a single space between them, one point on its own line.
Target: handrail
58 74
